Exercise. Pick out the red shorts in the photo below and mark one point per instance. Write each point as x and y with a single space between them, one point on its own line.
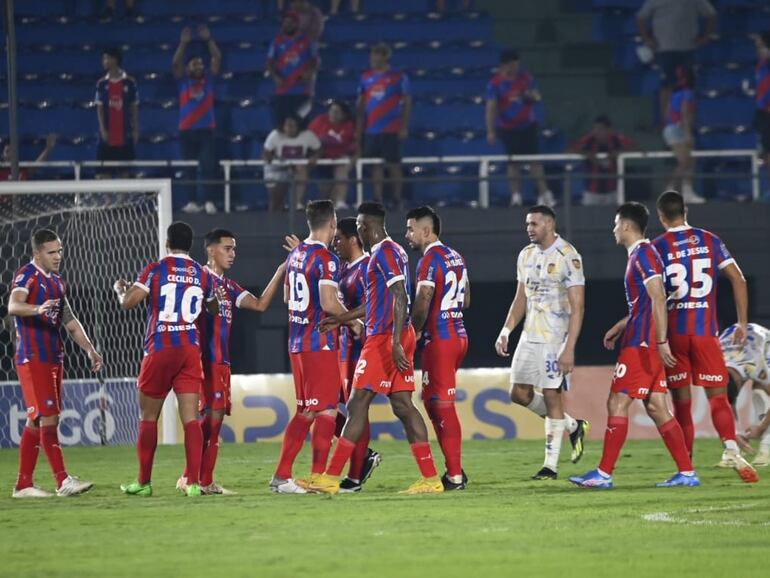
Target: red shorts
376 370
41 388
639 373
317 381
215 393
699 361
177 368
441 359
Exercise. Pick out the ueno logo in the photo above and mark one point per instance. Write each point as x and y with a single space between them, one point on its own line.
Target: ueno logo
711 378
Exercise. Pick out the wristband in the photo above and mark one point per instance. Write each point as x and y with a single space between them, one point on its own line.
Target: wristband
504 332
662 342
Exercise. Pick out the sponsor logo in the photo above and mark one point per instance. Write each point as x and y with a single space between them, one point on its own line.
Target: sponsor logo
452 315
711 378
408 379
691 240
385 384
576 263
663 384
644 390
31 410
311 402
451 391
217 395
689 305
49 403
678 376
175 328
299 320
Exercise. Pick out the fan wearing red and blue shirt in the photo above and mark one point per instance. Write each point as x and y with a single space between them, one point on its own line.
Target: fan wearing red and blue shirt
347 244
220 246
177 288
386 363
510 114
197 121
292 62
383 110
117 110
762 90
40 309
644 350
443 291
693 259
311 292
678 131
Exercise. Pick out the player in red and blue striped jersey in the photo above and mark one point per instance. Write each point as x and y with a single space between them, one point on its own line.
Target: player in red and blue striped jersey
383 110
693 259
644 350
177 288
292 62
347 244
443 291
117 110
311 291
386 365
39 306
220 246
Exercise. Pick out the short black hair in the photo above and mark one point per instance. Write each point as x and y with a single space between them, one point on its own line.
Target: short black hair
344 107
671 205
603 120
319 213
43 236
372 209
180 236
114 52
423 212
635 212
509 55
215 236
348 228
543 210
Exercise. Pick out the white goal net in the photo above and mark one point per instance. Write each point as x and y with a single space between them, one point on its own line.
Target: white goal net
109 230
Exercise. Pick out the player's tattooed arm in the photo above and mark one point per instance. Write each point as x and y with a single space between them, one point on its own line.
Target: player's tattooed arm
398 290
421 306
79 336
129 296
467 294
18 306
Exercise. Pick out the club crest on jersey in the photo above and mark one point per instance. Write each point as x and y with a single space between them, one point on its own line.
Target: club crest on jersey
551 269
576 263
332 266
19 278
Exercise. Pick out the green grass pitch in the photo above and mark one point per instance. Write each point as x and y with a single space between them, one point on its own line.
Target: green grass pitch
502 525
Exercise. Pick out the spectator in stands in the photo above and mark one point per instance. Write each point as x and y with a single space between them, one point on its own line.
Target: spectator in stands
678 132
382 118
762 115
670 29
311 20
25 173
117 110
601 173
355 6
288 143
197 121
337 133
292 62
110 5
510 114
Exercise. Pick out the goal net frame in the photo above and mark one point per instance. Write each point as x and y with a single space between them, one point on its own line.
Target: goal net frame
160 187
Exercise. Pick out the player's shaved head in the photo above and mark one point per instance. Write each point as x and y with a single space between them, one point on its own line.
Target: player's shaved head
671 205
371 223
43 236
215 236
319 214
179 236
426 212
635 213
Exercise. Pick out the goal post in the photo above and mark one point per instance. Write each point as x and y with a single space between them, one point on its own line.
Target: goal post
109 229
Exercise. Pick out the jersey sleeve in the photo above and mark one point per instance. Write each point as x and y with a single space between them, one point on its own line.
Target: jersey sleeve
23 280
648 264
390 267
721 254
520 267
271 143
145 277
573 270
328 269
237 293
426 272
208 285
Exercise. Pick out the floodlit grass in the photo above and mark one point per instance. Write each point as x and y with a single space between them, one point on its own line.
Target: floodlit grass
502 525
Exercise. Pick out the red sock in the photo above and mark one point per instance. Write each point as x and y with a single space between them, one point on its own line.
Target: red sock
722 417
451 437
359 454
672 435
293 438
683 415
342 454
211 451
145 449
614 438
205 422
321 440
49 439
340 423
29 447
193 449
424 458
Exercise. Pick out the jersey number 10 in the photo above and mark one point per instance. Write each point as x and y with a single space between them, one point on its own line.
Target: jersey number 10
192 303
